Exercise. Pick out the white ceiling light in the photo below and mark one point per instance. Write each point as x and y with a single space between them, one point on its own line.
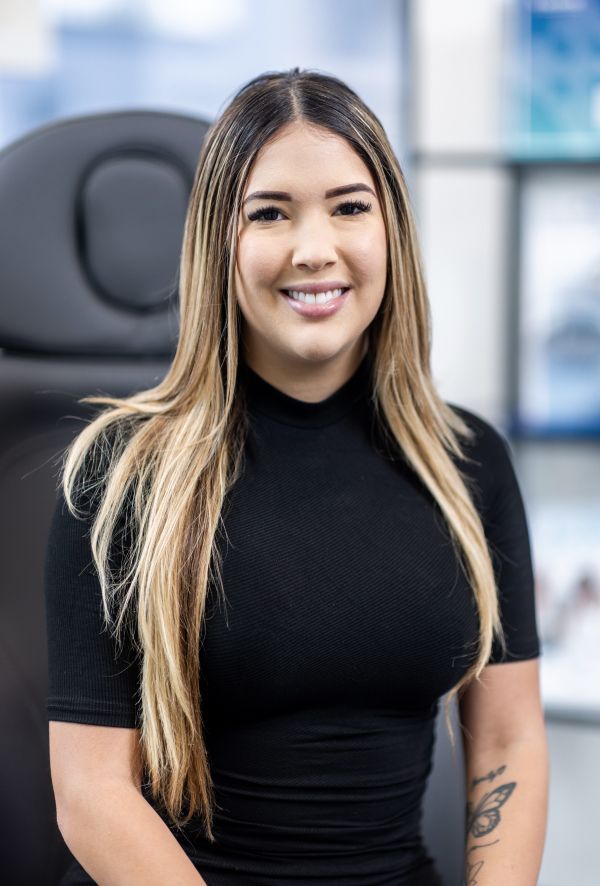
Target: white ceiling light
27 46
202 19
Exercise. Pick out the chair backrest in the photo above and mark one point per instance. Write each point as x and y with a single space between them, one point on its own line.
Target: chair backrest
91 218
444 805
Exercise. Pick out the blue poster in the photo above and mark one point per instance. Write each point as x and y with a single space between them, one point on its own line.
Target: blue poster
554 81
559 316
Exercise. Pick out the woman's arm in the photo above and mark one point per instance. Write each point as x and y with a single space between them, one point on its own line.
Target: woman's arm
121 840
507 774
105 820
506 814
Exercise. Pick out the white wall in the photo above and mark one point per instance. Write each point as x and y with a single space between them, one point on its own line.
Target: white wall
461 195
462 216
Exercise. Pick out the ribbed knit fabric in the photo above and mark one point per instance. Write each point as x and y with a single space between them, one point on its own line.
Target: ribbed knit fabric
347 618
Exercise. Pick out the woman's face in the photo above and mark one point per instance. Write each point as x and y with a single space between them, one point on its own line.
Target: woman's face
305 236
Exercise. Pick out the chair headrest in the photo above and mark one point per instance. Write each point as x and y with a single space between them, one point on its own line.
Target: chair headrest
92 210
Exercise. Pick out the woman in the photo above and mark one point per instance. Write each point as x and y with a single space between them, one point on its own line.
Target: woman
300 547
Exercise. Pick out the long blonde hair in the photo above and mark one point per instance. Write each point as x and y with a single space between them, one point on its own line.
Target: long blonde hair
170 454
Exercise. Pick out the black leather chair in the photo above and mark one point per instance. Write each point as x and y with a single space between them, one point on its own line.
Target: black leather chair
444 806
91 222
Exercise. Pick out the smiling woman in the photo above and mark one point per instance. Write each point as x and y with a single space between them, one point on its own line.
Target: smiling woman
298 463
312 241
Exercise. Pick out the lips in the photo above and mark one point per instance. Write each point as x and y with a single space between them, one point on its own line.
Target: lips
316 310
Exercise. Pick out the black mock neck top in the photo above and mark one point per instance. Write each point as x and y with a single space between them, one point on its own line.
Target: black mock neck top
347 619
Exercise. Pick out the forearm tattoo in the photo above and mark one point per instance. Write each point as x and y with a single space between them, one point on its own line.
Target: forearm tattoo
483 817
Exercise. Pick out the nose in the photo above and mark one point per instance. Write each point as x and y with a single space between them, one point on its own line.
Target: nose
314 247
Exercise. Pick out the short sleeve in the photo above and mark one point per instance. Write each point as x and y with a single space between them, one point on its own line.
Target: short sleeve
88 682
505 522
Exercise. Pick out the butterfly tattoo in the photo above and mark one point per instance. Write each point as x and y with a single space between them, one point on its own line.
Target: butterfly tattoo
484 817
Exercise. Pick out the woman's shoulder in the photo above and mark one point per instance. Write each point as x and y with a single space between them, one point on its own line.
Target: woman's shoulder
489 452
488 438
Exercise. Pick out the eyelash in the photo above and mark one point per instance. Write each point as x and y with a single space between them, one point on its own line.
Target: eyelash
258 214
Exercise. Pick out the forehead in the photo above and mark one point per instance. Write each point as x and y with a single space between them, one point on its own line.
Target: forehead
306 159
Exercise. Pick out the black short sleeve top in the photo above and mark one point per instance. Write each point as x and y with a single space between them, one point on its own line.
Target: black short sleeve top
347 618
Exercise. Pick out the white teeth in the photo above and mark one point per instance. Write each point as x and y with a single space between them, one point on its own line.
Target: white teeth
319 298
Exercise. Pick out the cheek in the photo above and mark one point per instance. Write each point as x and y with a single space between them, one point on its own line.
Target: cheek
256 264
369 254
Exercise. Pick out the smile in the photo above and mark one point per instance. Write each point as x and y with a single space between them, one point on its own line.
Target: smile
319 298
320 304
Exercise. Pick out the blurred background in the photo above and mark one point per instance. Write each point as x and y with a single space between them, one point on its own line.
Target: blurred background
493 109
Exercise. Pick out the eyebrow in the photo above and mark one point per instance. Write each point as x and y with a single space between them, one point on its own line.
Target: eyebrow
332 192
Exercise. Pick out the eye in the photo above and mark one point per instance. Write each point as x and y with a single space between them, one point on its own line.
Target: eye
262 213
355 204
